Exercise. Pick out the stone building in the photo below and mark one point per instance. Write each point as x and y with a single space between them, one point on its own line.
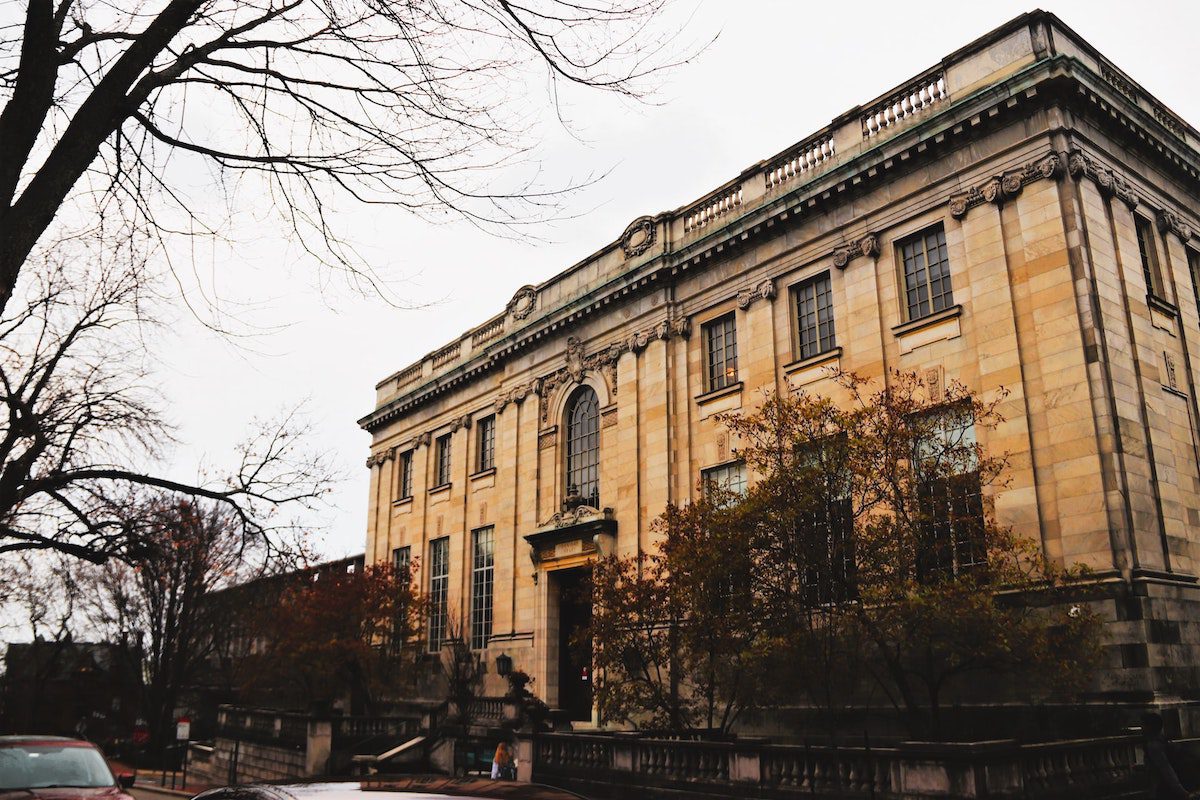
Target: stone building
1023 215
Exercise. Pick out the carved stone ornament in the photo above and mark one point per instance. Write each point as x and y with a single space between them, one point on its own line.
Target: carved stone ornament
867 246
1170 222
1007 186
523 302
423 439
460 422
638 237
762 291
573 516
1110 184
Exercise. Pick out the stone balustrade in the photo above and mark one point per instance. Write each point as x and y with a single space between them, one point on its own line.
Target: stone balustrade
846 140
912 100
804 158
485 333
608 765
712 208
447 354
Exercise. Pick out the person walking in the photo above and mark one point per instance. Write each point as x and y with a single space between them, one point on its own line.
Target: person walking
504 766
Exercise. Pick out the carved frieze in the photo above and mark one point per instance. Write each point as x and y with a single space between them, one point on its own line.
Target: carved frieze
380 457
1170 222
523 303
764 290
573 516
866 246
547 437
1110 184
638 237
1000 188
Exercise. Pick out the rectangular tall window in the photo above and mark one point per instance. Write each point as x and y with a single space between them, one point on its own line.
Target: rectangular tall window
1193 258
725 478
483 564
401 559
439 586
406 462
927 288
720 345
485 438
442 452
826 522
814 316
1149 255
949 495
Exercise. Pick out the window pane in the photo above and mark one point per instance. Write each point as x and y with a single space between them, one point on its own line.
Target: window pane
814 317
439 584
486 429
406 474
725 478
483 564
583 446
1149 256
443 460
927 285
720 342
950 496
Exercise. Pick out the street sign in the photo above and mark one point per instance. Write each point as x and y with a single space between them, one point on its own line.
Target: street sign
183 729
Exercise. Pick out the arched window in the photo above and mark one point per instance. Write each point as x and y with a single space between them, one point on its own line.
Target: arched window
583 445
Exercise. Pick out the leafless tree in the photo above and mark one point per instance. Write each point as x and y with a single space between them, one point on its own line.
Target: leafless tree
41 600
162 602
410 104
80 431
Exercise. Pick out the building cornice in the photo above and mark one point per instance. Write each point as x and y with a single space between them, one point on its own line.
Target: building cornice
656 260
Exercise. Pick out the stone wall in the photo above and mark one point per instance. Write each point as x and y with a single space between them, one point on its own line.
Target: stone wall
254 763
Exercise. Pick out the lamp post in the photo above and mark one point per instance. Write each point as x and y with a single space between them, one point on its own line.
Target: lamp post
504 665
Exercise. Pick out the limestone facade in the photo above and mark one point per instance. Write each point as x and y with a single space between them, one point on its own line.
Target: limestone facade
1040 161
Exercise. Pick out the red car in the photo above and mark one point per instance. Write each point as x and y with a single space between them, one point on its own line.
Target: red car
54 768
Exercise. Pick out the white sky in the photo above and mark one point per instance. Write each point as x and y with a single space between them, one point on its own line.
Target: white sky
779 71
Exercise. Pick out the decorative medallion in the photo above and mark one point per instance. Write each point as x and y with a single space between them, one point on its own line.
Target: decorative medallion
523 302
638 237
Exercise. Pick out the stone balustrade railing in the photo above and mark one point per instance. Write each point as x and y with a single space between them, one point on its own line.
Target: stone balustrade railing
804 158
263 726
488 709
1094 768
365 727
910 101
409 375
487 332
840 143
712 208
447 354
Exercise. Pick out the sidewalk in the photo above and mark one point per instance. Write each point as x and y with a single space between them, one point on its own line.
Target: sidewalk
151 782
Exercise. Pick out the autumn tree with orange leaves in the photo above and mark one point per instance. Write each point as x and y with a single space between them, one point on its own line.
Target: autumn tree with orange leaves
865 557
338 634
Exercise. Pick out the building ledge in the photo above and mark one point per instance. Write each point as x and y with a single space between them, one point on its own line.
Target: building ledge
724 391
441 487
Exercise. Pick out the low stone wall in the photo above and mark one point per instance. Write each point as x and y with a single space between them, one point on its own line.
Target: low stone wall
613 766
244 762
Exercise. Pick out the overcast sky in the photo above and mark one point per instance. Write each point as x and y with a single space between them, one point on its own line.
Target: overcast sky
779 71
